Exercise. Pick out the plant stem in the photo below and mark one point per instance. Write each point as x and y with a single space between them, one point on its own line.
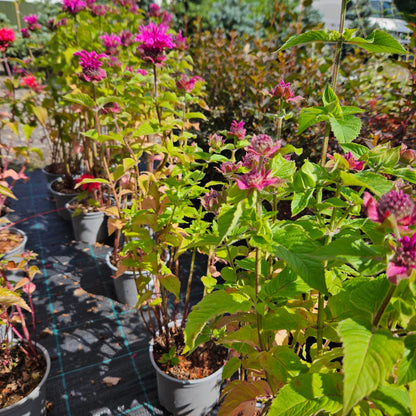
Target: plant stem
383 306
188 289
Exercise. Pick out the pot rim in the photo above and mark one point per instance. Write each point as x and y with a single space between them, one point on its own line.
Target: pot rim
22 244
56 192
89 214
35 391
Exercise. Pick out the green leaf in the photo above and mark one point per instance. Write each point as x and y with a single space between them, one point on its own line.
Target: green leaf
10 298
377 184
300 201
231 366
144 129
378 42
392 400
284 318
369 359
294 246
407 366
171 283
195 115
80 98
408 174
91 180
228 219
102 101
309 394
41 114
282 168
28 130
310 116
214 304
6 192
345 129
357 150
308 37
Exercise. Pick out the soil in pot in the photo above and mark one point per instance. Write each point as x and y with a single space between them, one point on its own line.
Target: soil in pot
21 377
204 361
66 186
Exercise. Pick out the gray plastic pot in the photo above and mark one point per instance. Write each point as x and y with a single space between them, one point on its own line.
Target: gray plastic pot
90 227
187 397
14 255
34 403
60 200
125 285
49 176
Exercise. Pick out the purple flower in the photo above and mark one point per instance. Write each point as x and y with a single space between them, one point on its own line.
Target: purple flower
154 10
25 32
250 161
237 129
111 43
110 108
283 91
187 84
395 203
353 163
180 41
91 66
126 38
98 9
32 22
404 260
212 201
73 6
154 40
256 180
263 145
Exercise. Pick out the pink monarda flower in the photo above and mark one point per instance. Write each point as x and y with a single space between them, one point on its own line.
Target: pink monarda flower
30 82
111 43
263 145
154 10
126 38
237 129
228 168
154 40
283 91
212 201
25 33
32 22
187 84
215 141
91 66
353 163
110 108
395 203
73 6
404 260
98 9
89 187
251 161
180 41
256 180
6 38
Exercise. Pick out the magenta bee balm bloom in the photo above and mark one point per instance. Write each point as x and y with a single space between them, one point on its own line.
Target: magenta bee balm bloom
91 66
404 260
283 91
256 180
32 22
263 145
395 203
154 40
111 43
237 129
73 6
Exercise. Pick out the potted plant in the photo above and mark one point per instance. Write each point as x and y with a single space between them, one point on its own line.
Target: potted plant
25 363
312 304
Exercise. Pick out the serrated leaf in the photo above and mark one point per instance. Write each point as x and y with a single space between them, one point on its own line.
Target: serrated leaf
369 358
300 201
10 298
102 101
171 283
308 37
357 150
81 99
311 116
214 304
144 129
309 394
228 219
345 129
377 184
407 366
392 400
380 42
294 246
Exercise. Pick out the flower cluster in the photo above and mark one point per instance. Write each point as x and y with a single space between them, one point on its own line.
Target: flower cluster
263 146
111 43
154 40
404 260
397 204
73 6
30 82
91 66
187 84
89 187
237 129
283 91
32 22
7 37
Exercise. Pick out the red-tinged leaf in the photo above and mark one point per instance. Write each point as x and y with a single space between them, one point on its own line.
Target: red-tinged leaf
171 283
241 397
29 288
